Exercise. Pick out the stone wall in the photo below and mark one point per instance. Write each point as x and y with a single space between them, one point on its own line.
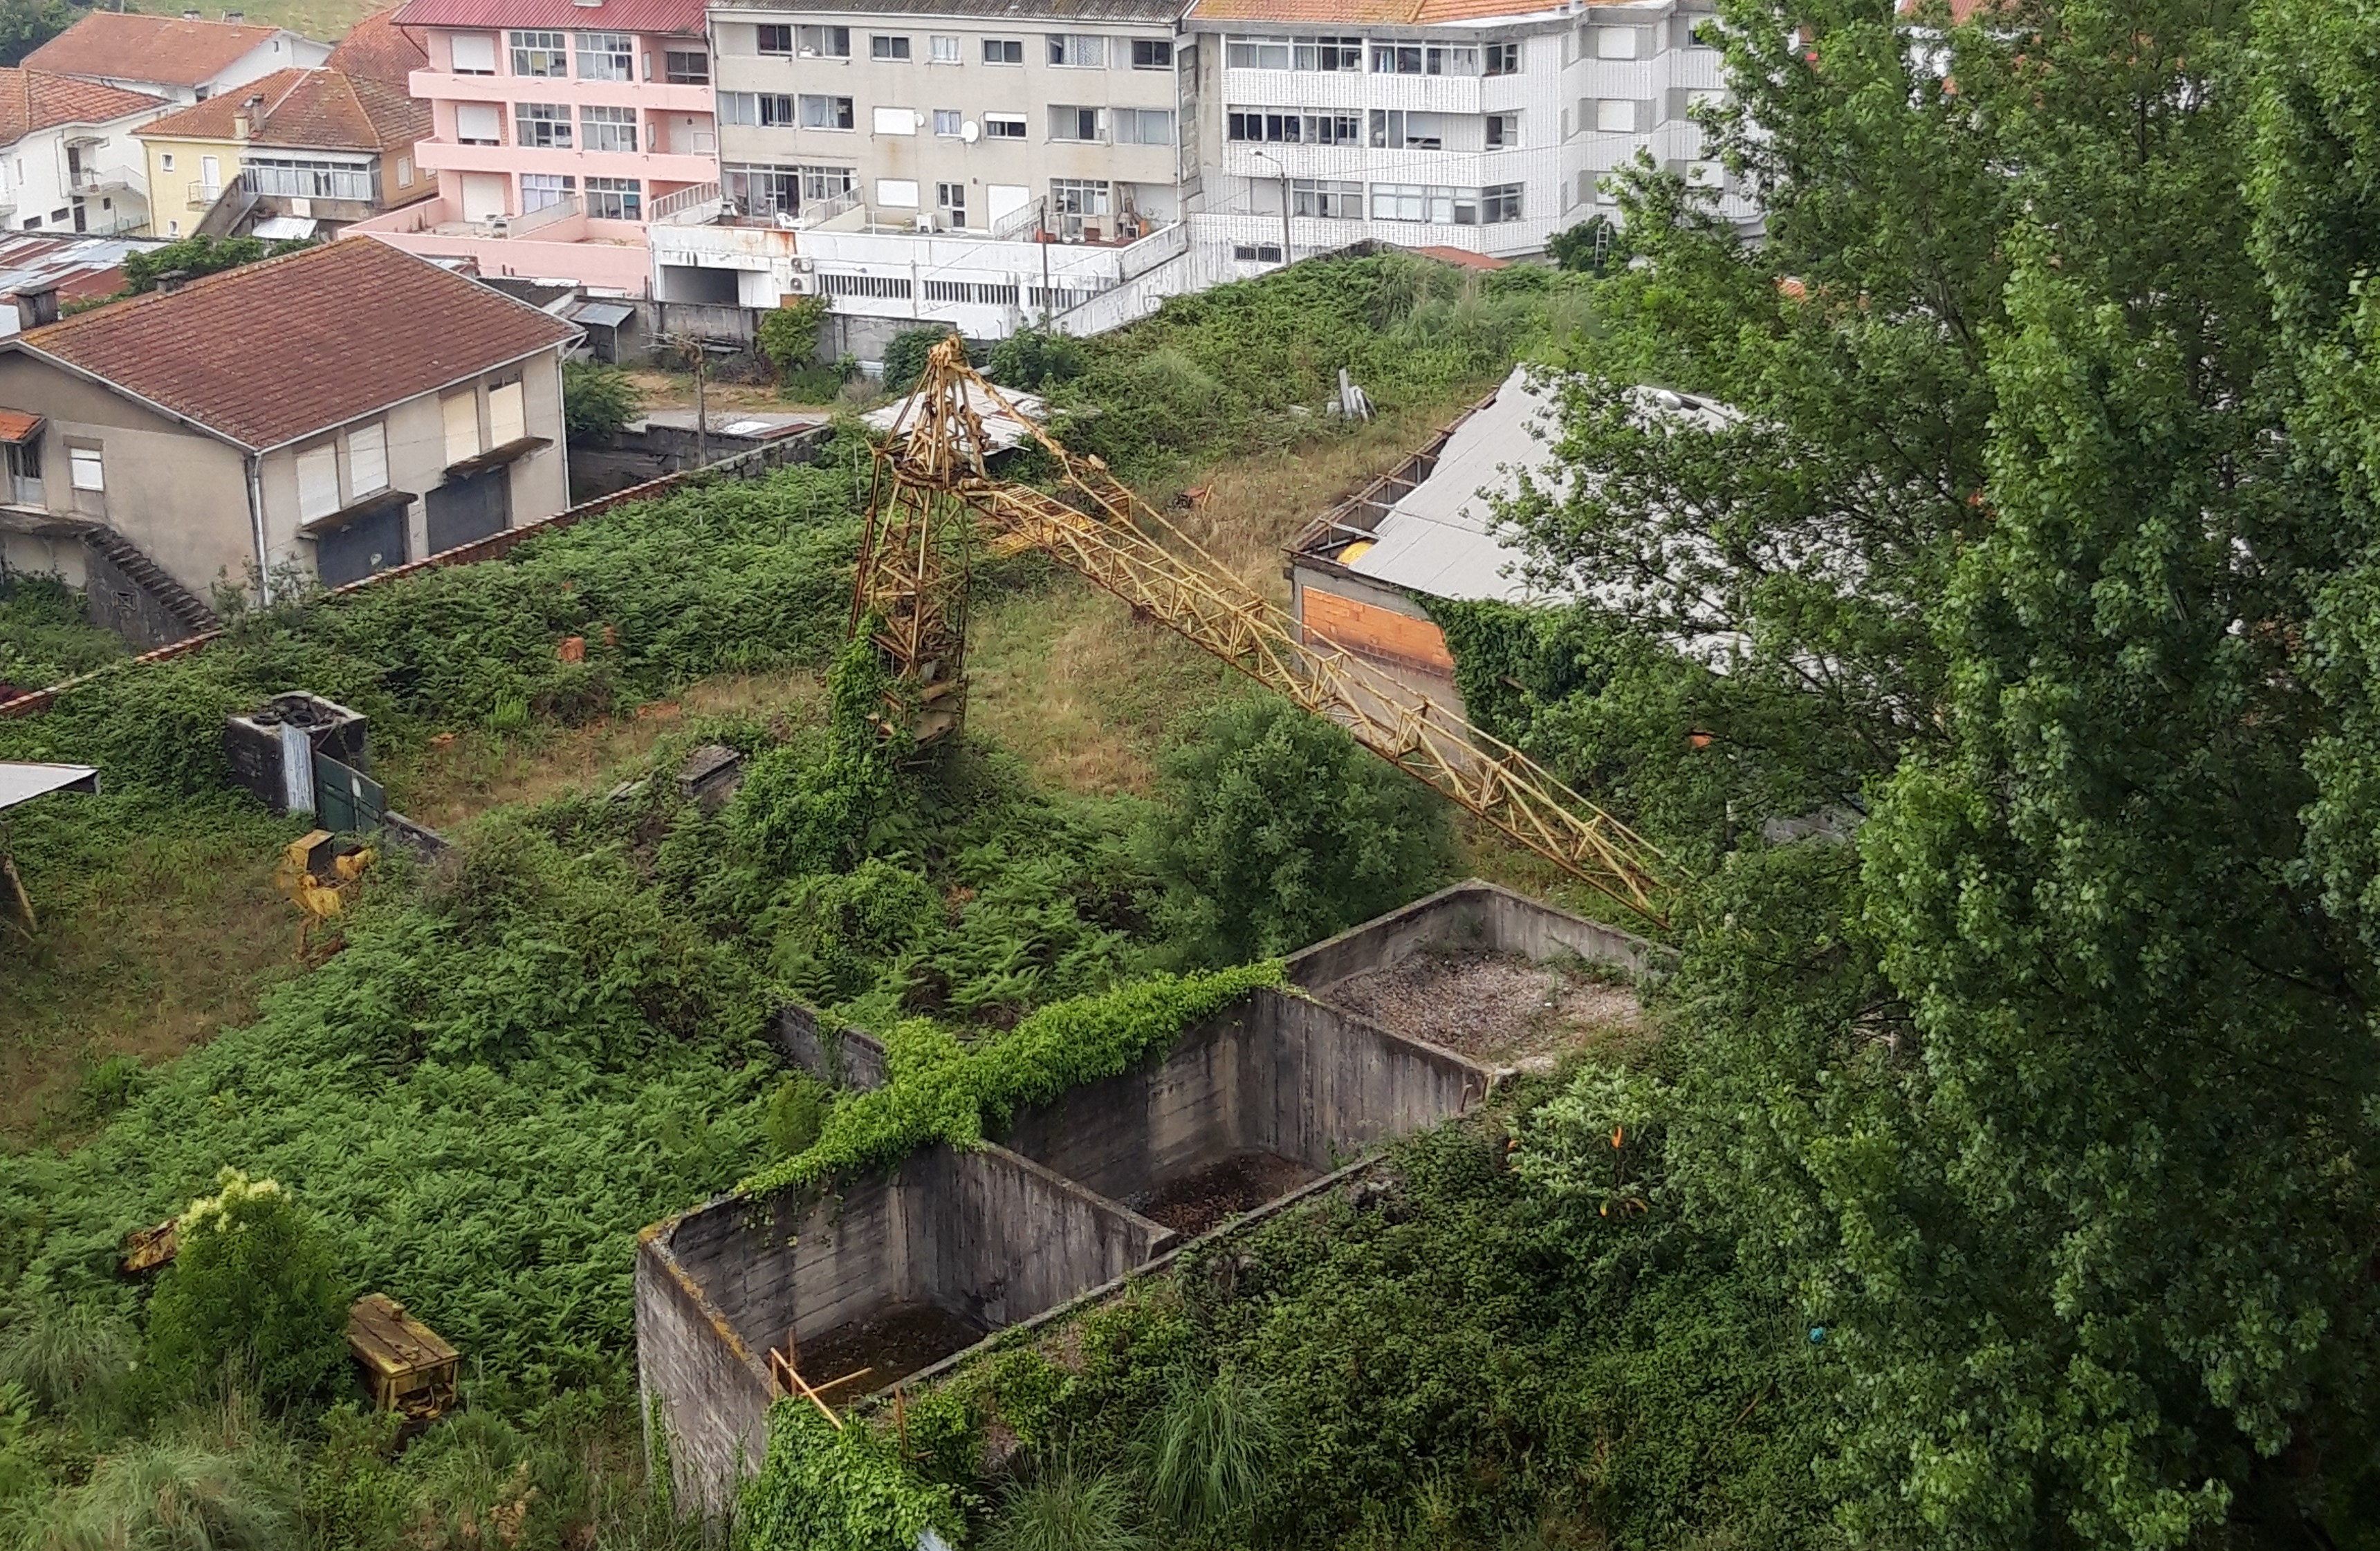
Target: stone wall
1475 914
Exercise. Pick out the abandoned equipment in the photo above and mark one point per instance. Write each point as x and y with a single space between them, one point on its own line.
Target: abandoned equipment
934 509
318 877
407 1368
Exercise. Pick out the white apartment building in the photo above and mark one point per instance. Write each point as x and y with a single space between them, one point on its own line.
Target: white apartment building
990 165
1488 130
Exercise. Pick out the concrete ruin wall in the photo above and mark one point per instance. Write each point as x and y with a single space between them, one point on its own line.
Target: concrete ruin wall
987 1235
1276 1074
1009 1233
1476 915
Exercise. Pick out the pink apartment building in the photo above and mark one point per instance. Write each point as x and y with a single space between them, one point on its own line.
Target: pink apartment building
556 125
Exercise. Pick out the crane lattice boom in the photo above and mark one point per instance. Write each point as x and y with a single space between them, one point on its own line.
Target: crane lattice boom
932 495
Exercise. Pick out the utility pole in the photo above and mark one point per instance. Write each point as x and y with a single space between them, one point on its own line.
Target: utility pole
1284 203
691 345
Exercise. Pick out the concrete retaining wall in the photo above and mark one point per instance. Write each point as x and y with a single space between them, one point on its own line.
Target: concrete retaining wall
987 1235
846 1058
1476 915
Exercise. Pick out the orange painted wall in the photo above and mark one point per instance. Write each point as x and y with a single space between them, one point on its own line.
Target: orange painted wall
1375 631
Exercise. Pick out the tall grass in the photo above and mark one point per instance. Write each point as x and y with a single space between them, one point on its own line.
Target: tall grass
1207 1448
69 1357
1068 1506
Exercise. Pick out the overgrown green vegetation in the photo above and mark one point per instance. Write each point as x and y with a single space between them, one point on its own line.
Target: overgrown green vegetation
46 633
597 401
530 1048
194 256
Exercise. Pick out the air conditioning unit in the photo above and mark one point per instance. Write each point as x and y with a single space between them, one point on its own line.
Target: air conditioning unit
805 266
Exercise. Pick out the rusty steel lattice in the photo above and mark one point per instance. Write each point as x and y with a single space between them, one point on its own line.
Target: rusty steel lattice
931 496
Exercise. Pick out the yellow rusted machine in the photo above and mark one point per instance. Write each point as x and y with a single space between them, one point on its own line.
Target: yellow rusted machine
934 509
318 878
405 1365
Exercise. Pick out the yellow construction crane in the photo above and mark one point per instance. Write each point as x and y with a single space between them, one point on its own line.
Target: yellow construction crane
934 508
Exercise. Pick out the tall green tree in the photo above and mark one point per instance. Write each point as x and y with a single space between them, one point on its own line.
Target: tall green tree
2053 1096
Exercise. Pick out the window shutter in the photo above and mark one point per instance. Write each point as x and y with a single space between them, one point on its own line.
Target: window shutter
318 481
367 460
462 412
478 121
474 53
507 415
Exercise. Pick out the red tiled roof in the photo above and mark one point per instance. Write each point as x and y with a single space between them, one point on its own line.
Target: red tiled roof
1389 13
677 17
32 100
268 352
313 110
1462 258
16 425
126 45
380 50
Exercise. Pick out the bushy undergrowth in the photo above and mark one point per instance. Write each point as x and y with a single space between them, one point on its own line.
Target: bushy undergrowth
46 633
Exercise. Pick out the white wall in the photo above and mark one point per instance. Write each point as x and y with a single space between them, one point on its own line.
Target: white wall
33 180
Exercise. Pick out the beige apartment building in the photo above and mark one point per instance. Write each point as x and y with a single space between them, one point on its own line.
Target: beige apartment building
1071 116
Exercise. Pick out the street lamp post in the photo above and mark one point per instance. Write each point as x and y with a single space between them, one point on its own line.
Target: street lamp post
1277 167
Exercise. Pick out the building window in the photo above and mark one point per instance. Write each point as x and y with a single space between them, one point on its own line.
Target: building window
1500 59
979 292
1396 129
894 121
1425 59
291 178
946 123
460 413
826 183
825 112
1152 53
1325 200
1144 127
882 46
471 54
609 128
774 110
945 49
607 56
542 124
1257 252
1079 124
777 40
1615 116
1412 202
84 471
1292 128
1077 196
951 200
507 414
1082 51
1004 126
540 191
25 473
1615 42
900 193
1003 51
1503 131
318 481
689 66
405 172
165 161
616 199
761 190
881 287
1256 53
542 55
823 42
1501 203
173 229
1328 54
475 124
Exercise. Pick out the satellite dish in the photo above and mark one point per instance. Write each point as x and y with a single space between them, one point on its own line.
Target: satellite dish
970 131
919 117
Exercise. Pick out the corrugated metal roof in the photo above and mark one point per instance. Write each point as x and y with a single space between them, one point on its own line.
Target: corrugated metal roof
22 784
1160 12
76 267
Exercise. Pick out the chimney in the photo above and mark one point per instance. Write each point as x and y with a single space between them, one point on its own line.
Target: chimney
250 119
36 307
171 280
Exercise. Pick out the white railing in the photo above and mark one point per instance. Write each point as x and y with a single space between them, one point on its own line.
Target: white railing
204 195
562 208
693 196
1013 226
818 213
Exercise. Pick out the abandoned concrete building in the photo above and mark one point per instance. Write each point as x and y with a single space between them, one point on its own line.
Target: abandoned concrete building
890 1278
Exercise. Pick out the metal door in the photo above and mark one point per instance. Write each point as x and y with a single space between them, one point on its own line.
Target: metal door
474 507
347 801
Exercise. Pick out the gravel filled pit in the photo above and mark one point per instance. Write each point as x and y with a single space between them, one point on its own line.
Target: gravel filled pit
1500 1009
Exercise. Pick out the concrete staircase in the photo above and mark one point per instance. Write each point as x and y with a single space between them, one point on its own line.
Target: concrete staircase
172 611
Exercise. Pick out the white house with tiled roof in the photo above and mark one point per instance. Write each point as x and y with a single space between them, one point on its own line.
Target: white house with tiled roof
182 59
68 158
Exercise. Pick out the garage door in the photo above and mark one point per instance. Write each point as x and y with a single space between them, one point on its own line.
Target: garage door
463 510
372 542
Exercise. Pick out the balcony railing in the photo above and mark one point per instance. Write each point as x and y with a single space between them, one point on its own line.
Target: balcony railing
1013 226
693 199
93 180
204 195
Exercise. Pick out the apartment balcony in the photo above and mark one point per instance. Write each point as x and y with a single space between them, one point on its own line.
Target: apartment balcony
1353 89
104 180
651 95
647 166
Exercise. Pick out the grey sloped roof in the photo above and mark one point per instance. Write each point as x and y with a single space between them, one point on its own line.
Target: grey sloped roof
1143 11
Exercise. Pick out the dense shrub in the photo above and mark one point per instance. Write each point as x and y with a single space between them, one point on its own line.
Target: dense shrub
597 401
788 334
904 357
253 1286
1282 829
46 633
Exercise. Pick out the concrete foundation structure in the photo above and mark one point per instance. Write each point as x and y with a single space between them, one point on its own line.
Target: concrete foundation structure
902 1274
